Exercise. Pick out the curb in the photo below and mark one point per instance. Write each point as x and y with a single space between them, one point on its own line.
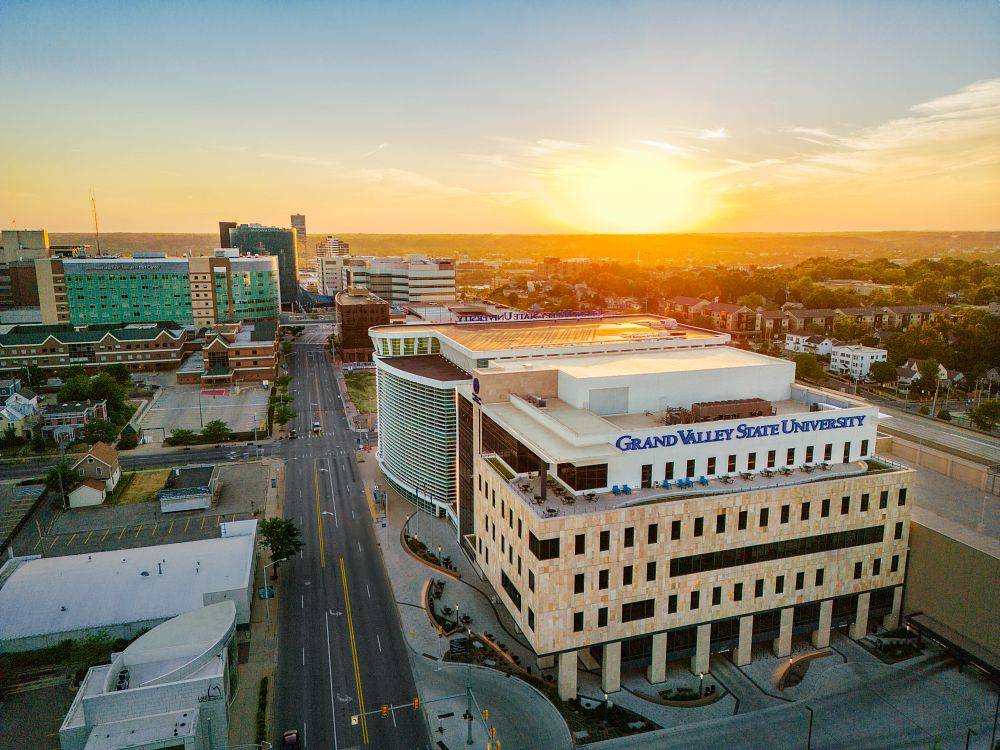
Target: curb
411 553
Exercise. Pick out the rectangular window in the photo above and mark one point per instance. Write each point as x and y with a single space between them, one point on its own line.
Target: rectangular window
790 457
731 463
751 461
805 511
695 599
668 471
652 533
779 585
824 509
758 588
671 604
876 566
894 564
883 500
578 583
531 579
605 541
737 592
864 449
531 619
630 536
602 579
716 596
577 622
675 530
819 576
899 530
770 459
720 523
711 466
784 513
800 580
828 452
580 544
864 502
809 454
627 575
638 610
741 521
902 496
651 570
511 590
847 452
543 549
602 617
845 505
857 571
763 517
690 468
699 526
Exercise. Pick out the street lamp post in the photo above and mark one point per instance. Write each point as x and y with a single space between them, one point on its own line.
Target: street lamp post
267 603
968 737
809 737
701 685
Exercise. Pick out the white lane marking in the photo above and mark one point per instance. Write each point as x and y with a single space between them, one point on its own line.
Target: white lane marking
379 642
394 718
303 656
303 734
352 513
329 667
369 591
333 496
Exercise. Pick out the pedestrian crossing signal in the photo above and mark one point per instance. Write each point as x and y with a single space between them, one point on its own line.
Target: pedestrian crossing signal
385 710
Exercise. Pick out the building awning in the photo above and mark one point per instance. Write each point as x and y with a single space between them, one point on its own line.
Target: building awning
965 650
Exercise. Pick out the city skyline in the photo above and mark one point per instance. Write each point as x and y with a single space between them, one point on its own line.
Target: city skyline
401 118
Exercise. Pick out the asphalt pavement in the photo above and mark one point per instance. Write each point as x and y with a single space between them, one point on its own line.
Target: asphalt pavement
341 649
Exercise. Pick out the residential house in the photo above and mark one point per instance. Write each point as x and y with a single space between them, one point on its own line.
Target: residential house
101 472
909 372
821 346
64 423
876 317
772 323
685 305
18 407
729 317
855 360
801 320
903 316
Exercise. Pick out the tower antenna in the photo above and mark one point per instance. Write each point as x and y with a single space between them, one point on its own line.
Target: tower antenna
93 213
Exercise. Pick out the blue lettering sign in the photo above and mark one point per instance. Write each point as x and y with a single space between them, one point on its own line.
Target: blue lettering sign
690 436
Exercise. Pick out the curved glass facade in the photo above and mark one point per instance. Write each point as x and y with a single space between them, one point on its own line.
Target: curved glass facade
417 439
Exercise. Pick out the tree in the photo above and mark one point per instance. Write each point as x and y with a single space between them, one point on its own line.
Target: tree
986 415
68 476
120 373
282 538
103 386
929 371
882 372
283 414
35 376
216 431
182 437
847 328
39 442
286 348
76 388
99 430
9 437
944 414
282 381
807 366
128 440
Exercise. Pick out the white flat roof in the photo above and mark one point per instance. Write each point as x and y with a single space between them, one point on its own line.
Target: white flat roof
101 589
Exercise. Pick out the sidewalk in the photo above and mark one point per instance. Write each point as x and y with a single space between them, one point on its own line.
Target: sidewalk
258 647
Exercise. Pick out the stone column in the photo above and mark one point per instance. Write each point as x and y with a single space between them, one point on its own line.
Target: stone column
860 627
703 644
782 645
821 635
657 671
891 620
744 648
546 662
567 675
611 667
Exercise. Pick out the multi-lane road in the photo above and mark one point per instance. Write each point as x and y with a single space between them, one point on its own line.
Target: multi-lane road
341 648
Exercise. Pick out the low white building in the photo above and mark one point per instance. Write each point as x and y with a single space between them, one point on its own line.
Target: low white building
799 343
45 600
170 688
855 360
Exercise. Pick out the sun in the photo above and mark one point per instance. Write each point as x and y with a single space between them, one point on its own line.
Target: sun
628 192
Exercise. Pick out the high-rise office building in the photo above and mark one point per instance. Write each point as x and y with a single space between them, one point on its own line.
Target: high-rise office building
299 225
415 278
282 243
330 273
332 246
23 244
225 230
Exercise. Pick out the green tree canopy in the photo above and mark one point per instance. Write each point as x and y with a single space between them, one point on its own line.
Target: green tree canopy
807 366
986 415
182 437
281 536
62 471
216 431
882 372
99 430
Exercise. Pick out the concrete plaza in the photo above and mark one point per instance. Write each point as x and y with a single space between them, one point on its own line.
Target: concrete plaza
185 407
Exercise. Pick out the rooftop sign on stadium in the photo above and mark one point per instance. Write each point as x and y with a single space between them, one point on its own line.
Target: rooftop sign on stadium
740 432
511 315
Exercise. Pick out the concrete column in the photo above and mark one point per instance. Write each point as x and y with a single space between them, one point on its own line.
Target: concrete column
782 645
821 635
744 648
567 675
703 644
611 667
891 620
546 662
860 627
657 671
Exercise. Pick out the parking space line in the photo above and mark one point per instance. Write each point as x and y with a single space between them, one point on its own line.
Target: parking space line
87 540
138 531
152 531
124 529
69 542
202 524
186 523
38 543
105 535
170 529
54 543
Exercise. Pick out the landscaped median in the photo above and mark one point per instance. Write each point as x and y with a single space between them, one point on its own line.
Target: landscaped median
796 667
418 550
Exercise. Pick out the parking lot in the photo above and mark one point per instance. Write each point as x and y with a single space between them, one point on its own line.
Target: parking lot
188 407
244 487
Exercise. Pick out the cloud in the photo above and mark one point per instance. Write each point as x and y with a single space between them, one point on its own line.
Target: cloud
379 147
297 159
670 148
714 135
507 197
401 178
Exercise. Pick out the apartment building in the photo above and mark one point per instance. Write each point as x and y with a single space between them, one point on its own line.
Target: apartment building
357 311
675 503
64 423
401 280
225 287
232 353
855 360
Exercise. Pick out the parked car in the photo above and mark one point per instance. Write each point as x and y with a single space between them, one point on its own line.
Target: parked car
290 740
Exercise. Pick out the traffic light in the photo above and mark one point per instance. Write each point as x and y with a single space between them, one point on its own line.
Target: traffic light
486 714
385 710
416 704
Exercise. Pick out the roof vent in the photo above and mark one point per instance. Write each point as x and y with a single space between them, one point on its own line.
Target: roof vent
144 574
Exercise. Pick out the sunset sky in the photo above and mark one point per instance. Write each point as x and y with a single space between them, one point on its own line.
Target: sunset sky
501 117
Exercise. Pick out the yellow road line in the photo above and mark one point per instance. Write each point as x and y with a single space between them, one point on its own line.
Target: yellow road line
354 653
124 529
186 523
105 535
87 540
170 529
138 531
69 542
319 406
319 517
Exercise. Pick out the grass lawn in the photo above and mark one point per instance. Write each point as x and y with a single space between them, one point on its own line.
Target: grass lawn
361 390
140 486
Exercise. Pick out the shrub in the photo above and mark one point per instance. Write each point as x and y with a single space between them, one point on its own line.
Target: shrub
923 410
944 414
